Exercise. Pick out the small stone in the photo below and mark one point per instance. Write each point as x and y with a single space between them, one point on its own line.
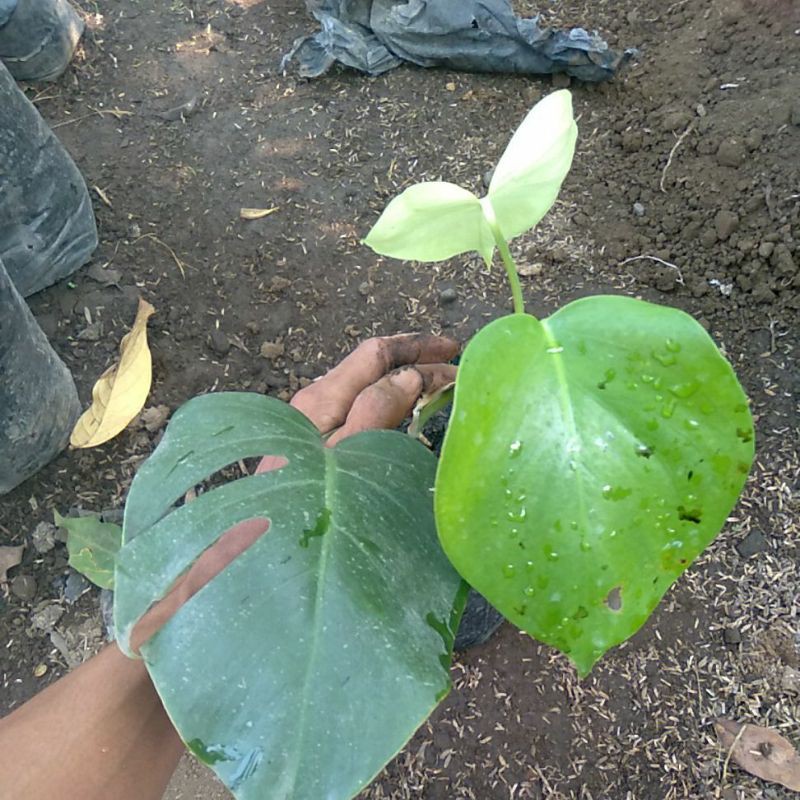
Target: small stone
529 270
47 616
765 249
639 209
487 178
731 153
632 141
253 328
720 43
666 279
279 284
790 680
353 331
363 288
708 238
447 296
23 587
75 587
582 220
700 109
794 114
753 140
725 223
154 418
561 80
272 350
675 120
40 670
219 342
763 294
43 537
782 260
754 542
732 636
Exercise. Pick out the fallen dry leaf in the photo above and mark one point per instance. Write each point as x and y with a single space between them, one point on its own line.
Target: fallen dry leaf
121 391
256 213
9 557
760 751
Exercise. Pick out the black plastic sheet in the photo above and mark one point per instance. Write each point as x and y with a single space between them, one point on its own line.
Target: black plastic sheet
38 37
374 36
38 401
47 227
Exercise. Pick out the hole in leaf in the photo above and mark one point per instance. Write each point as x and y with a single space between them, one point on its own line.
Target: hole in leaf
744 434
320 528
690 475
210 563
230 472
614 599
694 515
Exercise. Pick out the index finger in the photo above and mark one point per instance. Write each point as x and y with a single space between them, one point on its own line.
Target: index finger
327 401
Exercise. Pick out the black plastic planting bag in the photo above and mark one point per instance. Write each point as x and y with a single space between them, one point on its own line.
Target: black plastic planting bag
47 227
470 35
38 37
38 401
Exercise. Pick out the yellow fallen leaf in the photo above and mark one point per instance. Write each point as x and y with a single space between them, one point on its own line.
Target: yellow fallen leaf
256 213
121 391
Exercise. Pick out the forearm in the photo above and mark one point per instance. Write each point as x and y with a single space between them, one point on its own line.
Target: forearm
99 732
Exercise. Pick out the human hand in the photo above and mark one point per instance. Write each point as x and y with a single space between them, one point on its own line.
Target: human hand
376 386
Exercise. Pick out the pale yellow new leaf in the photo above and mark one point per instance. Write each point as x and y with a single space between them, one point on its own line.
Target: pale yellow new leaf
121 391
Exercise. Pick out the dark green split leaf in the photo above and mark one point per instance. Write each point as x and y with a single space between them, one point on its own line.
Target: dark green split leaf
307 663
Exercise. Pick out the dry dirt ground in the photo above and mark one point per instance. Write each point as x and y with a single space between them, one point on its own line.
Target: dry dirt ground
685 190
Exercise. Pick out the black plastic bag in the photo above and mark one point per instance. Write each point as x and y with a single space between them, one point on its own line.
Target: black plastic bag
469 35
38 37
38 401
47 227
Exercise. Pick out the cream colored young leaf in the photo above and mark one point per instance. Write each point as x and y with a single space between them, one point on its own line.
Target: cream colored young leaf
121 391
431 222
530 172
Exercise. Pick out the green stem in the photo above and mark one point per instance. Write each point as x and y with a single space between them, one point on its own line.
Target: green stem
511 271
505 255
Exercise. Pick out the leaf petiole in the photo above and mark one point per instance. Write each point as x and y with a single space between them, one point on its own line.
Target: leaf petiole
505 255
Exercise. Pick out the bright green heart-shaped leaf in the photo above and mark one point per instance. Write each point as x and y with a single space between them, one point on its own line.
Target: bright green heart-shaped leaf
432 222
589 459
92 546
530 172
308 662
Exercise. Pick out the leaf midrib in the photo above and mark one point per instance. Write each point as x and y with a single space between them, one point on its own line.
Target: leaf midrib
565 401
325 545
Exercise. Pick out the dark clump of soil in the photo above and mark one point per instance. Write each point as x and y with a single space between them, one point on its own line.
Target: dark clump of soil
685 191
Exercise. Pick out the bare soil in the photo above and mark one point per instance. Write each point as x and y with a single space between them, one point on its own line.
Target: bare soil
685 191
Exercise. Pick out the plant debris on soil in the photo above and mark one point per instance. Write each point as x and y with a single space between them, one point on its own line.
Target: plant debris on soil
685 191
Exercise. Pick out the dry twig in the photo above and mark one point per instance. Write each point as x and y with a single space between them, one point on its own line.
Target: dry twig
672 153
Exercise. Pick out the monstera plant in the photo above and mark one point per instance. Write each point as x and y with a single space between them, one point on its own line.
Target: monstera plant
589 458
